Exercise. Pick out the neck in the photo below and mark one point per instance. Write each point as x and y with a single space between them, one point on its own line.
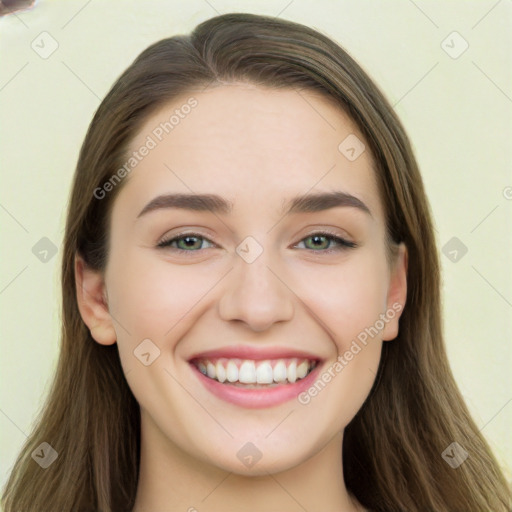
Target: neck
169 479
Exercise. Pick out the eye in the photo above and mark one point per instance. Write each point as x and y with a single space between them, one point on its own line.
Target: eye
317 237
193 242
185 242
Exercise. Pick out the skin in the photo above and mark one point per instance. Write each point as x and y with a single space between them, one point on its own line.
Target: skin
255 147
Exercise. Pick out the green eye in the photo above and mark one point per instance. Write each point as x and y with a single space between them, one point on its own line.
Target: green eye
320 242
185 242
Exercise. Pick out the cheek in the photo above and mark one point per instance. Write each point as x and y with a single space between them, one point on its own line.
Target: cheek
151 297
350 380
348 298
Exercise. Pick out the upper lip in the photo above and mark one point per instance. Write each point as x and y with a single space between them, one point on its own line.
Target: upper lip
256 353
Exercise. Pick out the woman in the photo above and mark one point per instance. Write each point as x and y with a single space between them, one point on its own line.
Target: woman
260 364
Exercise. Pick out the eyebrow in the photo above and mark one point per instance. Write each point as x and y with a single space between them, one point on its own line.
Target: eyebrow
216 204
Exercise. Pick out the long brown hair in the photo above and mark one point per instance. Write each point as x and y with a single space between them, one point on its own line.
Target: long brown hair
392 449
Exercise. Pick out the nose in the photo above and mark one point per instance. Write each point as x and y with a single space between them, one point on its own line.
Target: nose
256 294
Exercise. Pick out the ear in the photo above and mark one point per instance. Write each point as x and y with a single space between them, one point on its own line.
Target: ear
397 294
92 302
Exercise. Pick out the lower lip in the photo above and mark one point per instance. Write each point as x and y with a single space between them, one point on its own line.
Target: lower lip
252 398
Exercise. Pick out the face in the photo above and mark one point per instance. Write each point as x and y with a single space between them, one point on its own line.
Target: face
285 311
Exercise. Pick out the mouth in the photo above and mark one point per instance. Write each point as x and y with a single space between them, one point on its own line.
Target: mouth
253 374
255 379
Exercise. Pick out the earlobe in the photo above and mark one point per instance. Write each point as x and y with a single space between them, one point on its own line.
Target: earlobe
397 294
92 302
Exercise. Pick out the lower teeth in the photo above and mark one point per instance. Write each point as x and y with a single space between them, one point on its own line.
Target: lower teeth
254 386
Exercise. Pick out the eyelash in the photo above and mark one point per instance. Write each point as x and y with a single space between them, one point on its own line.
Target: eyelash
343 244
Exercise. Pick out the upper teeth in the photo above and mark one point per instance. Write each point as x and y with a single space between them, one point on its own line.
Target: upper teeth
248 371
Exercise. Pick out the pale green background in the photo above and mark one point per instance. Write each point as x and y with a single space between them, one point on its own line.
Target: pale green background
457 113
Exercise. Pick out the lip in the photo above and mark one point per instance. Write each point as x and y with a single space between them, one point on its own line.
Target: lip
252 398
255 353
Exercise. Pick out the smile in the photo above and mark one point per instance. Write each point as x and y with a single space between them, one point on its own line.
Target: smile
254 378
249 373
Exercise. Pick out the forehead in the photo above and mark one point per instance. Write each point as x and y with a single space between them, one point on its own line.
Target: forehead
248 143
